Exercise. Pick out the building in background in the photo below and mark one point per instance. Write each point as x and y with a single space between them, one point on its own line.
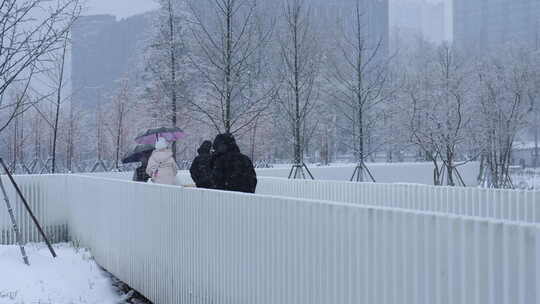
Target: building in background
428 20
103 51
483 25
376 15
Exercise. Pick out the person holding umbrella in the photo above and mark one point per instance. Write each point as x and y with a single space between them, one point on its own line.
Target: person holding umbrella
161 165
140 174
141 154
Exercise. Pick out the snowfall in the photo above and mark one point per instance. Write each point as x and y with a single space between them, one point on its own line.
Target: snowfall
71 278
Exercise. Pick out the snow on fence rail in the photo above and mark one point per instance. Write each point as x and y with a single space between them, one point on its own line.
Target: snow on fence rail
46 197
180 245
513 205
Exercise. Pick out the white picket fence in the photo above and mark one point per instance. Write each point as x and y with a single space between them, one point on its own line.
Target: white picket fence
181 245
523 206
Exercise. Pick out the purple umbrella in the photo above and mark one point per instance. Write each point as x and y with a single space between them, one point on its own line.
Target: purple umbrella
150 137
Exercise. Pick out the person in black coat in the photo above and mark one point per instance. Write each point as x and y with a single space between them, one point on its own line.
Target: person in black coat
140 174
232 170
201 168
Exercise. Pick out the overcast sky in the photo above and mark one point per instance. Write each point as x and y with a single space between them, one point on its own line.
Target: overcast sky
119 8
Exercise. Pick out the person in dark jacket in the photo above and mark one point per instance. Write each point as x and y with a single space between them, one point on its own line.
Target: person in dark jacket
140 174
232 170
201 168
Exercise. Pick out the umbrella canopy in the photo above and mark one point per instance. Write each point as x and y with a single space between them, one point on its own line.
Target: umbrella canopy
137 153
170 134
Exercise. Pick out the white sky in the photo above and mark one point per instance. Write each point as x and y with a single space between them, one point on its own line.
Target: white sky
119 8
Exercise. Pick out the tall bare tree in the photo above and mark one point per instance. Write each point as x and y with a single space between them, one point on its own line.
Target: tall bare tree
167 65
30 29
59 97
442 111
231 48
299 70
505 83
359 76
118 118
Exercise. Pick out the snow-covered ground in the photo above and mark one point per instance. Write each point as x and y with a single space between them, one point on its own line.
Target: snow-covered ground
411 173
526 180
72 278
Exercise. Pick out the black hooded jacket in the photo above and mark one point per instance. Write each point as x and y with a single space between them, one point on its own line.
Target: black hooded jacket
201 168
140 174
232 170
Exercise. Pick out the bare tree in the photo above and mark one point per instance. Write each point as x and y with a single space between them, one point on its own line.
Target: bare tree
231 60
53 75
505 83
441 112
168 70
299 70
534 96
73 133
359 77
117 119
59 99
30 29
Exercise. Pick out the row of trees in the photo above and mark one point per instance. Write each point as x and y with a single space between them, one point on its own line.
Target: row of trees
291 85
34 36
461 108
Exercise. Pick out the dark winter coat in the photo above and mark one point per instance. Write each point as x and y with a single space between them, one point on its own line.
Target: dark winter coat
201 168
140 174
232 170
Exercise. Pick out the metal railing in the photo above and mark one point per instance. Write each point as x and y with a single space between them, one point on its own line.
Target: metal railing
510 205
178 245
181 245
46 195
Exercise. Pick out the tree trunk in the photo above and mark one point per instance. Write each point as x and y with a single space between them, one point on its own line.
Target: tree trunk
298 151
359 97
70 140
119 136
228 68
174 95
58 103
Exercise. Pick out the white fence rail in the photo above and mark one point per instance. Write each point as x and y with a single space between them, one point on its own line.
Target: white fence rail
510 205
191 246
46 196
418 173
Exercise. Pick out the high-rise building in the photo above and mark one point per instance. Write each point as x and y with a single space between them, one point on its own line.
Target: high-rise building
426 19
375 15
330 16
483 25
103 51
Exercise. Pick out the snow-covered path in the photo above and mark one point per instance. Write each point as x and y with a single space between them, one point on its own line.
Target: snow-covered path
73 277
